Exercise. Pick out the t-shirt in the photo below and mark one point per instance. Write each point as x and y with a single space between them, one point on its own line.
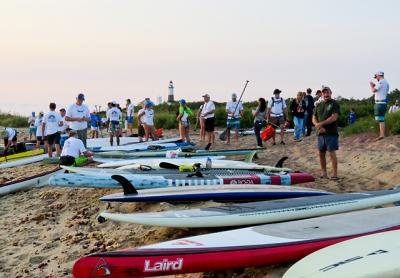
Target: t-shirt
114 114
260 116
309 100
231 106
382 88
148 117
141 119
9 133
73 147
95 120
298 108
394 108
207 107
323 111
31 121
38 125
130 111
186 112
277 106
64 126
52 120
78 111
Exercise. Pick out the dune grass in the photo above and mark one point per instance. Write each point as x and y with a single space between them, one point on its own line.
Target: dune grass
9 120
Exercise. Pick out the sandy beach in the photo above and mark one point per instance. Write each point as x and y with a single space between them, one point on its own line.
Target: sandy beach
43 231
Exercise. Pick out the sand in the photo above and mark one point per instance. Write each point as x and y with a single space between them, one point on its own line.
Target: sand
44 230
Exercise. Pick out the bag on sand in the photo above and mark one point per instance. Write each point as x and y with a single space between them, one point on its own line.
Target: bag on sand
267 133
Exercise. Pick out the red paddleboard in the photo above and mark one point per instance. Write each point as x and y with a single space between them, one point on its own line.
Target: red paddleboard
248 247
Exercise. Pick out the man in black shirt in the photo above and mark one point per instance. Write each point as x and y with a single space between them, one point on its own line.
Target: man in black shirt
309 100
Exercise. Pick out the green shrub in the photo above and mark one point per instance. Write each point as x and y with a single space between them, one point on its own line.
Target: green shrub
393 123
8 120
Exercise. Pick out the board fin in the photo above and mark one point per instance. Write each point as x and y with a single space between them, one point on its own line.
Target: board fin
249 157
279 164
129 188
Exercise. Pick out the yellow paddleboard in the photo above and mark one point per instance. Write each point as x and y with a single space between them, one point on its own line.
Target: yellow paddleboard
21 155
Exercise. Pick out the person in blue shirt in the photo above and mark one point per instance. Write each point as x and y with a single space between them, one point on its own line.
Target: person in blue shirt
95 123
351 119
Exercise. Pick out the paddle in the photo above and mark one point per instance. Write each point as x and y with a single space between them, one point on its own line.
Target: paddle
223 135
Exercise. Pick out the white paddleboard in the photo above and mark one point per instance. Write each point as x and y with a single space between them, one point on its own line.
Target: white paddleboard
371 256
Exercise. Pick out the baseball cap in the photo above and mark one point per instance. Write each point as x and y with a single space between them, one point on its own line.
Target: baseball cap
114 102
81 96
206 95
277 91
379 73
234 95
182 101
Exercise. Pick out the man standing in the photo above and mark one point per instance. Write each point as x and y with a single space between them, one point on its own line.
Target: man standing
130 111
325 121
52 122
65 126
309 100
277 114
95 123
380 90
78 116
32 129
234 110
113 117
208 116
394 108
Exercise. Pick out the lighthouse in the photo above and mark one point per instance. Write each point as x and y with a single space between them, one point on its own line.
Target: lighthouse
171 92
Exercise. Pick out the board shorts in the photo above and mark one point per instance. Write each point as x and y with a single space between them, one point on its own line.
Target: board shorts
32 131
233 124
278 120
14 139
380 111
115 127
129 119
53 138
41 139
141 132
209 124
328 143
72 161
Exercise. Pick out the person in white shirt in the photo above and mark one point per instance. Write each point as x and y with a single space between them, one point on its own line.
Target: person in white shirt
208 116
52 122
65 126
148 121
40 140
234 111
73 149
113 118
10 139
380 91
78 116
130 112
394 108
277 114
32 129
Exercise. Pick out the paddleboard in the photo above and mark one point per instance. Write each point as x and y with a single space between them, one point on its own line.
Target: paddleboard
21 155
240 248
23 161
260 212
229 192
161 144
104 142
370 256
28 182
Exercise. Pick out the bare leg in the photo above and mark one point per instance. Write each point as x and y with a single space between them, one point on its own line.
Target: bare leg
237 136
322 162
282 132
49 150
228 136
382 129
58 150
187 134
333 157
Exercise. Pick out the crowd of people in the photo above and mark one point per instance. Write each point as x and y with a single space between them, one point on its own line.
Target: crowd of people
306 111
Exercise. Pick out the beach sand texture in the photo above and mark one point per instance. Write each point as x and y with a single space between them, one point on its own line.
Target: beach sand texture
43 231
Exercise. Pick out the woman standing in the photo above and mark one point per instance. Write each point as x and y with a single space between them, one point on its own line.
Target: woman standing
259 120
148 121
298 107
183 118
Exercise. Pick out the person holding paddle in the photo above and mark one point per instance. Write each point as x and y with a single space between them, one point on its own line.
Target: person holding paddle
208 116
234 111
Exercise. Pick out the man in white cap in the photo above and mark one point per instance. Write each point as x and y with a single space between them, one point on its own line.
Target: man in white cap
277 114
78 116
113 117
380 90
394 108
234 111
208 116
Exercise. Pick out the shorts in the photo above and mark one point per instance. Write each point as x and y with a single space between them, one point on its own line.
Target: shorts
278 120
185 123
53 138
129 119
380 111
94 128
233 124
14 139
328 143
32 131
209 124
67 160
41 139
82 134
141 132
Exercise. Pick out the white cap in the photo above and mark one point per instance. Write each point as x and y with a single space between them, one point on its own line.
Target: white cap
379 73
114 102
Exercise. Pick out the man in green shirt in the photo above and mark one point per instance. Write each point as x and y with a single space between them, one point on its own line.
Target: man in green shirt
325 118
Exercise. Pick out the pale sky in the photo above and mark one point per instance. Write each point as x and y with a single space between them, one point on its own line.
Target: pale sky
117 49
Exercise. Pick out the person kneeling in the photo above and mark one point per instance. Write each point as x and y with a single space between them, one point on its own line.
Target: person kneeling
73 150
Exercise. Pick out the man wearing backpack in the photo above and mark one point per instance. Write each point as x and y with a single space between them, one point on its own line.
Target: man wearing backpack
277 114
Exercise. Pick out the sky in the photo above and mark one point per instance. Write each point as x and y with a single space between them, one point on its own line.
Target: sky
117 49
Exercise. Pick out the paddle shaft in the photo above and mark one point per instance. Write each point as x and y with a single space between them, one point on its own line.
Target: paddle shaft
240 98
